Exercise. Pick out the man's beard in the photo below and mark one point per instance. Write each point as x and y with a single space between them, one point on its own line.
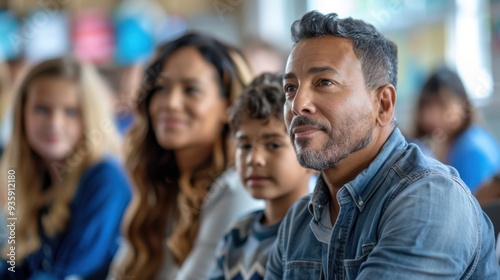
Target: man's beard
347 141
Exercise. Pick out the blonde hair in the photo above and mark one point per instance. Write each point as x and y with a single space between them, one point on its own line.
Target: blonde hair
99 136
5 86
162 194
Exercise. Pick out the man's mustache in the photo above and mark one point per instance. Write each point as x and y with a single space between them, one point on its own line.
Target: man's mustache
305 121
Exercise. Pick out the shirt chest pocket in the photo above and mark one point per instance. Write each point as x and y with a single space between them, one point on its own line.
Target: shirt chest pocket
303 270
352 265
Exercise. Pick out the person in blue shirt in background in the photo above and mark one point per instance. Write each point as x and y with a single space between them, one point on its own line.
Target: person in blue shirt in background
381 209
69 189
445 122
267 167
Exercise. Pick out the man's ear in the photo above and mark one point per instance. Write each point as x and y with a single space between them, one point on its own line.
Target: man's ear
386 101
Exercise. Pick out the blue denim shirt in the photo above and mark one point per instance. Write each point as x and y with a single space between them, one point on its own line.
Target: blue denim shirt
406 216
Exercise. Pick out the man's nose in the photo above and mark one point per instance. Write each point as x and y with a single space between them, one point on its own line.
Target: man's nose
302 102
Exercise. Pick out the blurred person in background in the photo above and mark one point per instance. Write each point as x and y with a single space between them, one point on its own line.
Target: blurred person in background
130 82
70 189
124 83
179 155
263 57
489 192
5 104
445 121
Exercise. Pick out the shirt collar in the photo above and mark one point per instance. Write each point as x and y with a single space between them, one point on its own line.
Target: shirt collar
319 198
371 176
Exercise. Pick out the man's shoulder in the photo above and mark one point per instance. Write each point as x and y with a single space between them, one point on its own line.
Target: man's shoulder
415 165
416 174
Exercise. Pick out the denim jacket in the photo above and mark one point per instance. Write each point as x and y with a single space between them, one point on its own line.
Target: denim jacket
406 216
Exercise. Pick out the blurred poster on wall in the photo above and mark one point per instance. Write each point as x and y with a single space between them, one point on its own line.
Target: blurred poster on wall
10 45
46 34
421 49
135 24
93 37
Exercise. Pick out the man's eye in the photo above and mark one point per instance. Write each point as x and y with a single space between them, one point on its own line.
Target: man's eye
325 83
289 88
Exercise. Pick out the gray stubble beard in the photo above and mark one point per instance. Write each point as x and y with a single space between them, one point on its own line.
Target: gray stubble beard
330 154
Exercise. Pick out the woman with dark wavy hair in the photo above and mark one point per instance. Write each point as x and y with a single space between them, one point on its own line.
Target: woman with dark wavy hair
186 192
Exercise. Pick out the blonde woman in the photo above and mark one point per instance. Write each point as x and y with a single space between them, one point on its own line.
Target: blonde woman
66 191
180 160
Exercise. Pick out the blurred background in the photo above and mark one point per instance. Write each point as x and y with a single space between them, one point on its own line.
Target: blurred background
120 37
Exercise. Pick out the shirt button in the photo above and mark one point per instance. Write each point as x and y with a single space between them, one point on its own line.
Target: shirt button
360 202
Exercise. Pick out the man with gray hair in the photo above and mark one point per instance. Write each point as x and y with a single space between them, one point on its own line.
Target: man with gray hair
381 209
